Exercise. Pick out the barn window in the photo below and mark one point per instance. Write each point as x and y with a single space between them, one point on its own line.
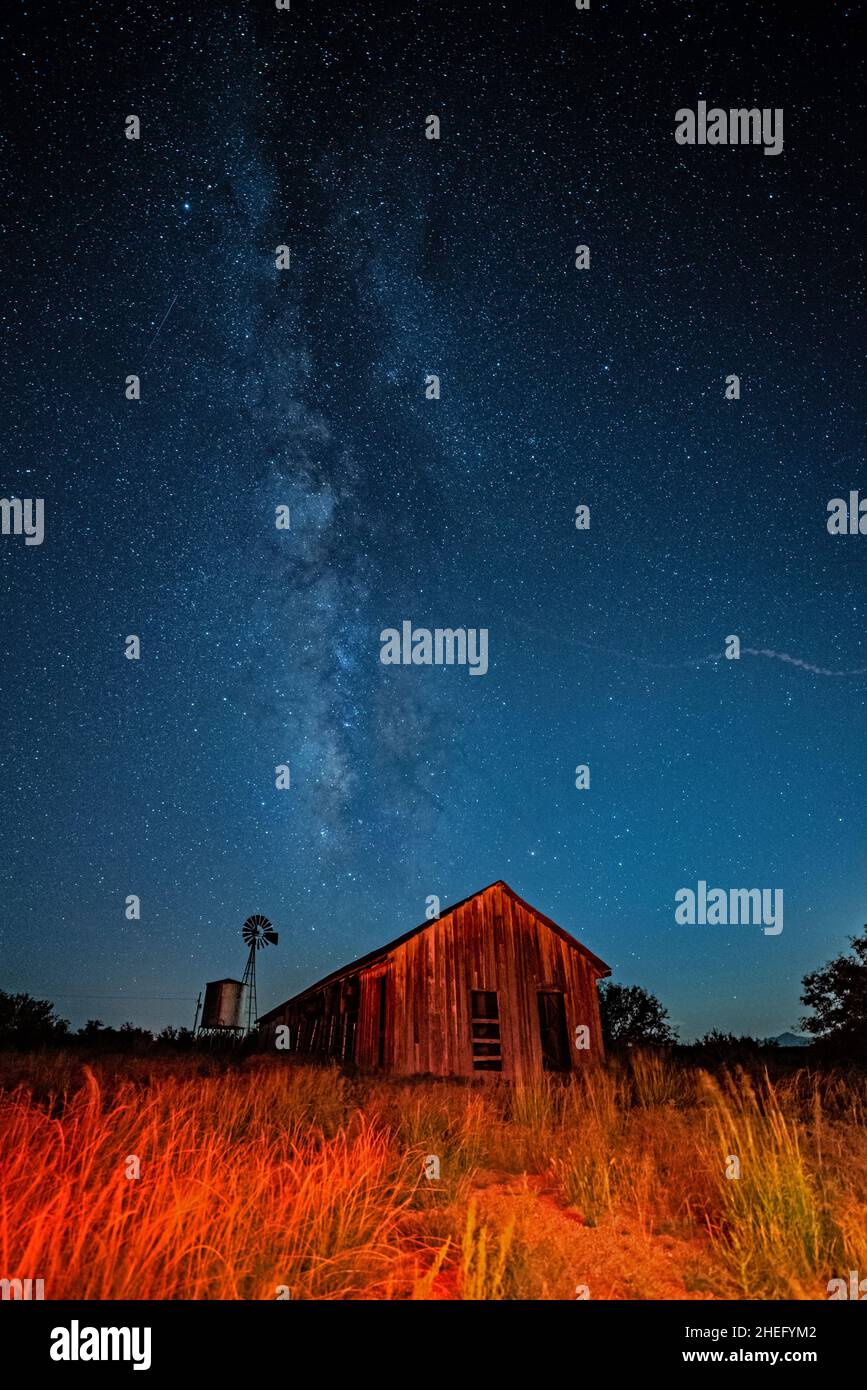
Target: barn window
485 1023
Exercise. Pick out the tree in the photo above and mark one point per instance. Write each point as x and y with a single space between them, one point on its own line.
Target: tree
717 1046
29 1022
92 1029
127 1038
837 994
631 1016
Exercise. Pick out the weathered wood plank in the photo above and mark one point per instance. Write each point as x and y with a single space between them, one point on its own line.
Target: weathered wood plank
492 942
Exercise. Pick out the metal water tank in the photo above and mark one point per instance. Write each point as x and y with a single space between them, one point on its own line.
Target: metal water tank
223 999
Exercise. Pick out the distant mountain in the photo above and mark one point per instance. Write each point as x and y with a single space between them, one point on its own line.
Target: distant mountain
791 1040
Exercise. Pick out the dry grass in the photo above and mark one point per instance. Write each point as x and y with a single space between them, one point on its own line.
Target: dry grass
275 1175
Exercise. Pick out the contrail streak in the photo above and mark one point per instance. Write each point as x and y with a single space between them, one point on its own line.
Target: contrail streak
796 661
767 652
159 330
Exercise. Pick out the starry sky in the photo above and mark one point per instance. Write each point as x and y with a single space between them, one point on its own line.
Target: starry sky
306 388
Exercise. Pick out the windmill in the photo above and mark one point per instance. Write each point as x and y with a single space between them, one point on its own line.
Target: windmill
257 932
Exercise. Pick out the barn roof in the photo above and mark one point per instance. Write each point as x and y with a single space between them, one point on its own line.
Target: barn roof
382 951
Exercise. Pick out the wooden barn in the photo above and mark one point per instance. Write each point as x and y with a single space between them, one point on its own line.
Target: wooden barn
491 985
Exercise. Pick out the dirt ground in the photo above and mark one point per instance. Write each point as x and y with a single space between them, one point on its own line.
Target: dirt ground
574 1260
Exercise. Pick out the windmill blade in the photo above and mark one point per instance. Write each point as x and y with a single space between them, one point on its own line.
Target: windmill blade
270 936
254 930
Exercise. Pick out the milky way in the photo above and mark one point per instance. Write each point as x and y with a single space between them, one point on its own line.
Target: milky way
306 388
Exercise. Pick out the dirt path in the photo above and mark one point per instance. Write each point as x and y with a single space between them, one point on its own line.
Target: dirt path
562 1256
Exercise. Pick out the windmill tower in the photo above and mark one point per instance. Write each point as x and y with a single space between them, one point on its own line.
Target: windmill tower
257 932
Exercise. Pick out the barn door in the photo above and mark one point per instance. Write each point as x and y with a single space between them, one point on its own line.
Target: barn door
381 1015
552 1031
373 1042
351 1002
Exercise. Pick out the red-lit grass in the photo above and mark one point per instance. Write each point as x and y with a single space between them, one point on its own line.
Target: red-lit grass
242 1190
272 1179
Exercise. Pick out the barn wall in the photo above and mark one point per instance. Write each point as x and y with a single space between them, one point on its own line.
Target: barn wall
491 942
324 1023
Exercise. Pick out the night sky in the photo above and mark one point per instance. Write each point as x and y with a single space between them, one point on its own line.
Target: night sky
306 388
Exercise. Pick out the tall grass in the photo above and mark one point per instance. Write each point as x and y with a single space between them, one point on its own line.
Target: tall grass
484 1258
777 1229
270 1177
243 1189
